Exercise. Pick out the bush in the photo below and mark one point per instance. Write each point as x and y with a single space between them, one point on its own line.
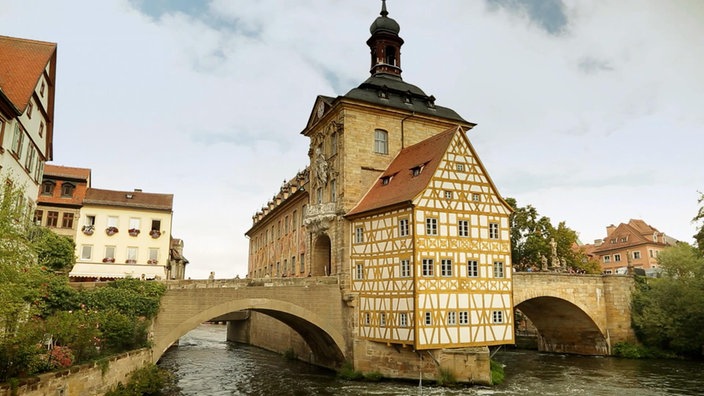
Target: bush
445 377
348 372
497 372
374 376
150 380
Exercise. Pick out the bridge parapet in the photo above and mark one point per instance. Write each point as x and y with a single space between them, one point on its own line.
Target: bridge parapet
250 282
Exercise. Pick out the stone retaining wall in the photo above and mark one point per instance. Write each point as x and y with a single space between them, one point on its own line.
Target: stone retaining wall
83 380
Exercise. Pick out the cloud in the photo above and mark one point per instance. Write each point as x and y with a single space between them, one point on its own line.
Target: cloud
549 15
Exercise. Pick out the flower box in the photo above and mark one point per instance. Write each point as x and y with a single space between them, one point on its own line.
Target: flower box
155 233
133 232
88 229
111 230
109 260
152 261
130 261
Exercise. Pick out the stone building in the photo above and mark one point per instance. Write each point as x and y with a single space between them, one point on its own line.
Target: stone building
27 78
395 203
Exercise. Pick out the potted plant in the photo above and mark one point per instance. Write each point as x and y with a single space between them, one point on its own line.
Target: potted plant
109 260
155 233
130 261
133 231
112 230
88 229
152 261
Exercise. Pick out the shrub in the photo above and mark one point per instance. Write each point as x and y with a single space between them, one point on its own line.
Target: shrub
373 376
497 372
445 377
150 380
348 372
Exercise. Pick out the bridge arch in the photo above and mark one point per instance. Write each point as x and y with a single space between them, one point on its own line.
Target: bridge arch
325 341
564 327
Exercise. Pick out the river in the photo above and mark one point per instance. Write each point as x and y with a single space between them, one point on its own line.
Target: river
205 364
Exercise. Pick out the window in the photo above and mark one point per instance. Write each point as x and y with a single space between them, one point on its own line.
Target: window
636 255
382 319
498 269
385 180
67 220
464 317
403 227
476 197
112 221
41 129
403 319
303 263
18 140
156 225
463 228
293 264
497 317
617 257
67 189
29 160
90 220
607 259
428 318
446 267
110 253
451 318
30 107
431 226
38 214
86 252
460 167
48 187
359 235
134 223
294 220
41 89
405 268
427 267
359 274
415 171
52 218
493 230
319 195
381 141
286 225
333 143
333 191
131 255
303 213
367 319
448 194
472 268
153 256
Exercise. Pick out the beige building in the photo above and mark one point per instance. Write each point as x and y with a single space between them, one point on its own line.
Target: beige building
123 234
60 198
635 243
27 78
396 203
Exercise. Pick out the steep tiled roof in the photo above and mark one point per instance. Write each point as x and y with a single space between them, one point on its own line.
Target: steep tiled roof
134 199
66 172
635 232
402 186
22 62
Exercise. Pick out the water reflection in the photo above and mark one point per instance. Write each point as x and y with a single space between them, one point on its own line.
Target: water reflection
205 364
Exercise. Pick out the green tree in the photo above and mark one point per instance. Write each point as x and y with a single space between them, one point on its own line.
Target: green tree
54 251
668 312
531 234
699 218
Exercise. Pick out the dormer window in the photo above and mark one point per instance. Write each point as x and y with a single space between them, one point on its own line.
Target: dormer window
67 189
385 180
48 187
416 170
431 102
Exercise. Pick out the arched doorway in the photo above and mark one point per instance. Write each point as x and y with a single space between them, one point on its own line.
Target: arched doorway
322 265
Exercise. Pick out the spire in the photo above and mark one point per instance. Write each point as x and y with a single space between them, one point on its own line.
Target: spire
385 44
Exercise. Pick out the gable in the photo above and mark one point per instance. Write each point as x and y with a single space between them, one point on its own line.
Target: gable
22 64
320 108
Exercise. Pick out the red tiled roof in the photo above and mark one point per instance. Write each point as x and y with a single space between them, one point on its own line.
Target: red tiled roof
135 199
635 232
22 62
66 172
402 185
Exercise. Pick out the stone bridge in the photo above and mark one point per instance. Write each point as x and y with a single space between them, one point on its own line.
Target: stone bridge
581 314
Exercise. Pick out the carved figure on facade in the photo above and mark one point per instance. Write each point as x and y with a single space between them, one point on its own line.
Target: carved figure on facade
321 167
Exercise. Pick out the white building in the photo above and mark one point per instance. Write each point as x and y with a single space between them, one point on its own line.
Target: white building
27 78
123 234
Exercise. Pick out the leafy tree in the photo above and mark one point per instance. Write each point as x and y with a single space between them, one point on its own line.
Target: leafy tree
699 236
668 312
53 251
530 241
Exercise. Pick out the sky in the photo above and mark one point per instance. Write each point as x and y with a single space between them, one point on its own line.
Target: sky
589 110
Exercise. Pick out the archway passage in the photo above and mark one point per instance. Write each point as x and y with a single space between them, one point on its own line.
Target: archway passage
322 265
563 327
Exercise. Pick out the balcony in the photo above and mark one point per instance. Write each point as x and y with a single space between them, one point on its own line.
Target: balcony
319 217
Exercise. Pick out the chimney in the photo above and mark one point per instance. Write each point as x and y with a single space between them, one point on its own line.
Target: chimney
137 190
610 229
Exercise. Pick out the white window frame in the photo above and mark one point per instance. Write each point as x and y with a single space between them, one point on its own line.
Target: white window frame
405 265
607 259
359 235
499 269
472 268
463 228
403 227
381 141
428 265
451 318
431 226
382 319
403 319
446 267
617 257
135 223
464 317
636 255
428 319
493 230
113 221
497 317
86 252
